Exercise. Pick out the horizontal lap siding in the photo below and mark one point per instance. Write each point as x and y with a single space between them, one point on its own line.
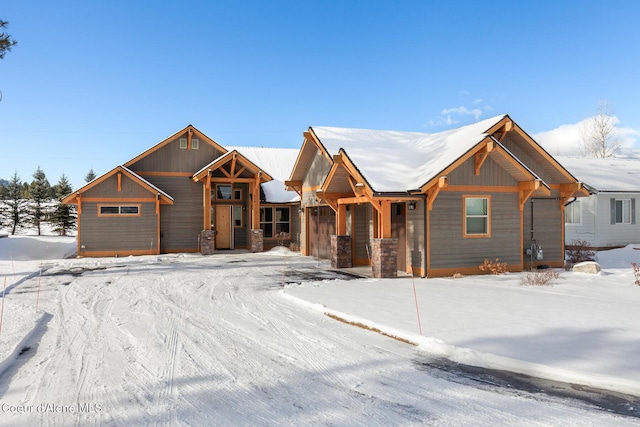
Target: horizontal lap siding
171 158
182 222
108 189
449 249
118 232
361 239
547 228
416 247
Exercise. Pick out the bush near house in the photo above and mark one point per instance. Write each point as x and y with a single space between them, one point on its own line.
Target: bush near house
579 251
493 267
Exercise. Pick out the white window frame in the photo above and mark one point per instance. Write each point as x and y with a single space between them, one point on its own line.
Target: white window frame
569 213
625 207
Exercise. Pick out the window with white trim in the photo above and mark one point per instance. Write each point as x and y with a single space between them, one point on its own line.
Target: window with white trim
573 213
476 216
623 211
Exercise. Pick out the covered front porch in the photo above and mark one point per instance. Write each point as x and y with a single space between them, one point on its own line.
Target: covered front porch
232 203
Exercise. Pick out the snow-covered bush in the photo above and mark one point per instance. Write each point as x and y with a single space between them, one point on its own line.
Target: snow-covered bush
580 251
636 272
539 278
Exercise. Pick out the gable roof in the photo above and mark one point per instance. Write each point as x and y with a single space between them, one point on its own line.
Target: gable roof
605 175
279 161
398 161
189 129
164 197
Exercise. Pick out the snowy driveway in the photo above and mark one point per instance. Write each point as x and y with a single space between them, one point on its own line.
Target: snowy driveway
190 340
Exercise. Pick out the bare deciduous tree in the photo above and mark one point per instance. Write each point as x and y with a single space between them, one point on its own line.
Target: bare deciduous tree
598 134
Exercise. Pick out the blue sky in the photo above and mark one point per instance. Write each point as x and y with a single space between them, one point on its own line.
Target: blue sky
92 84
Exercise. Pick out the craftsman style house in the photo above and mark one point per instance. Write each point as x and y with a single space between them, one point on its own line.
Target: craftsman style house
431 204
189 194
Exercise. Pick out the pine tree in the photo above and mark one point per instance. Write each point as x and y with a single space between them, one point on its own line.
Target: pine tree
64 217
14 204
90 176
39 193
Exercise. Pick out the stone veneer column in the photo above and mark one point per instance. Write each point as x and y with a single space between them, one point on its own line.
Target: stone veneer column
257 240
207 242
341 251
384 258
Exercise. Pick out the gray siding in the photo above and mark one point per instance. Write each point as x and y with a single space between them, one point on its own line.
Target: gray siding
109 189
182 222
491 173
416 245
449 249
361 237
317 172
118 233
547 227
171 158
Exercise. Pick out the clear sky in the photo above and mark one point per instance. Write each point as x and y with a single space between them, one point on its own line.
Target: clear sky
92 84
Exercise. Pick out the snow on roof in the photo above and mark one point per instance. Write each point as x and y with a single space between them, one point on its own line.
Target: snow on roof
606 175
277 162
394 161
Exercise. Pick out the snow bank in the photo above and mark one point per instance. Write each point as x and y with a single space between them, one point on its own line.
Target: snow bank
18 324
36 248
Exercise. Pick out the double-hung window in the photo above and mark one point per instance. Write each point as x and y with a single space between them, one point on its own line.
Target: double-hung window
623 211
572 213
476 216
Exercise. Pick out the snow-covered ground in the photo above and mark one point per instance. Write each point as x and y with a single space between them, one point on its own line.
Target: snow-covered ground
193 340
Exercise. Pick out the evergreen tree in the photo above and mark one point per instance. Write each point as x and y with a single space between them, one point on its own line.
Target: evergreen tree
39 193
64 217
90 176
14 204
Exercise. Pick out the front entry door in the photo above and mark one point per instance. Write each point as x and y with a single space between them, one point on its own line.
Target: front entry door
223 226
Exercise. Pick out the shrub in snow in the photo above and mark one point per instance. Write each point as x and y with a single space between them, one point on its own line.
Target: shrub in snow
580 251
636 272
493 267
539 278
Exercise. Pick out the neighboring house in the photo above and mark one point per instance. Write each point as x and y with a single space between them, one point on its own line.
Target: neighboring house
431 204
607 218
170 198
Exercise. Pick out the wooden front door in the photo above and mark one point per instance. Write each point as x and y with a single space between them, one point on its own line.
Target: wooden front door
321 222
223 226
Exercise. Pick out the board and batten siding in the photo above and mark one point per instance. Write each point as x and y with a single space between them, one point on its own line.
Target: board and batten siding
118 233
450 249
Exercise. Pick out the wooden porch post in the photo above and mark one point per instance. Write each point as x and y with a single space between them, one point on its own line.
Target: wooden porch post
385 220
341 218
207 203
255 203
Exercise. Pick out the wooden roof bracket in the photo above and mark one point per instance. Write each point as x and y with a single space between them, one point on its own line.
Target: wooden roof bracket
295 186
568 191
508 126
433 192
480 157
525 190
